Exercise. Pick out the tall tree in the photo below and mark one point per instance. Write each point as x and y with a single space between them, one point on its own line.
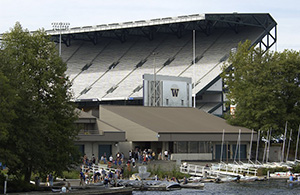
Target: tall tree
43 132
7 114
265 87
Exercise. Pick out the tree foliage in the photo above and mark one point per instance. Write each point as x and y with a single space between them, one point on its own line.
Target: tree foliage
264 87
40 130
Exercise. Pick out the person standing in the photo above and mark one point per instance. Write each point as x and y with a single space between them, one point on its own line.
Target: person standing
133 162
51 179
81 183
110 159
166 154
130 154
153 155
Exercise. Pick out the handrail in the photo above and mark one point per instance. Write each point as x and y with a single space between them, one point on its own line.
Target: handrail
220 169
96 168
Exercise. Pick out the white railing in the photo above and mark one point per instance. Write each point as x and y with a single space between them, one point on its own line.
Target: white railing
96 168
219 169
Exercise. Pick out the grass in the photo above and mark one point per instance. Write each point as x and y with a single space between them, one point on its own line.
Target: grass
157 170
264 171
73 174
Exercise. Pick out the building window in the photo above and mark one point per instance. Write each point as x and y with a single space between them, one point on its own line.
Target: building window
167 101
182 147
193 147
182 102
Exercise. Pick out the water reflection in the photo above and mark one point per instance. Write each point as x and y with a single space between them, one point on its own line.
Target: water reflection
257 188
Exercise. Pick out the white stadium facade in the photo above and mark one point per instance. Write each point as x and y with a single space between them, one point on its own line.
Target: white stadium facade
156 83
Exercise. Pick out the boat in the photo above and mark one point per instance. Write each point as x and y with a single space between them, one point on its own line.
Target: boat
195 185
295 181
296 177
225 179
248 178
280 174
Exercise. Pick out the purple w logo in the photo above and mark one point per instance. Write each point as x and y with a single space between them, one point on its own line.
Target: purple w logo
174 92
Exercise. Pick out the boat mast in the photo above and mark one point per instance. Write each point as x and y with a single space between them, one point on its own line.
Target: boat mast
257 147
269 144
265 150
250 149
221 157
237 145
297 144
288 150
282 154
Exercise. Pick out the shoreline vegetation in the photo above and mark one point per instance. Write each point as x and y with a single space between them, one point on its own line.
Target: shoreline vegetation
163 170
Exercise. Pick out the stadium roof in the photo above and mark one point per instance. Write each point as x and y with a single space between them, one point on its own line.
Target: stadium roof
176 25
203 22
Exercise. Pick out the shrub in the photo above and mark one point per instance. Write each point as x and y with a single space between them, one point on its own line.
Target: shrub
73 174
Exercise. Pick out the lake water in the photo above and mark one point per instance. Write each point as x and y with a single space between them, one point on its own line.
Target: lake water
277 187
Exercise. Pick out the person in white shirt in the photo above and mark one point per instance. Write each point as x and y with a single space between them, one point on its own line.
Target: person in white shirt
166 154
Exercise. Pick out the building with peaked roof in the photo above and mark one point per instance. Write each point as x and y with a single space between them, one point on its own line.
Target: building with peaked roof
188 133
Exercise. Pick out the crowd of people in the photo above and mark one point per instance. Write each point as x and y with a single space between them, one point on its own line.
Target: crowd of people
134 157
119 160
101 176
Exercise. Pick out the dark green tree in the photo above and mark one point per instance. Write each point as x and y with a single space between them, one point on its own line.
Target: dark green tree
42 133
265 87
7 102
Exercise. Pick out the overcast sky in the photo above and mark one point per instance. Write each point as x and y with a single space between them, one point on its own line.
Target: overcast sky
36 14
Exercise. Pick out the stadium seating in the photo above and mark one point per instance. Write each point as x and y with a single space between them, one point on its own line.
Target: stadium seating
117 68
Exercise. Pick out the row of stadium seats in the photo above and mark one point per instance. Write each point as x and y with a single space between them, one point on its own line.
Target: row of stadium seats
116 68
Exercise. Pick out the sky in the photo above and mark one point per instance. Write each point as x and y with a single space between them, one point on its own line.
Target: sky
37 14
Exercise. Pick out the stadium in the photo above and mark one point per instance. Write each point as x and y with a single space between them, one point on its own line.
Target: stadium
156 83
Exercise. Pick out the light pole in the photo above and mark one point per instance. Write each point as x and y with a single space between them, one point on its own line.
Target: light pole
194 66
154 77
60 26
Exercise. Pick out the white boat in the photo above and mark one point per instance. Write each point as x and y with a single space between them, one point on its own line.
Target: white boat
196 185
280 174
225 179
248 178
